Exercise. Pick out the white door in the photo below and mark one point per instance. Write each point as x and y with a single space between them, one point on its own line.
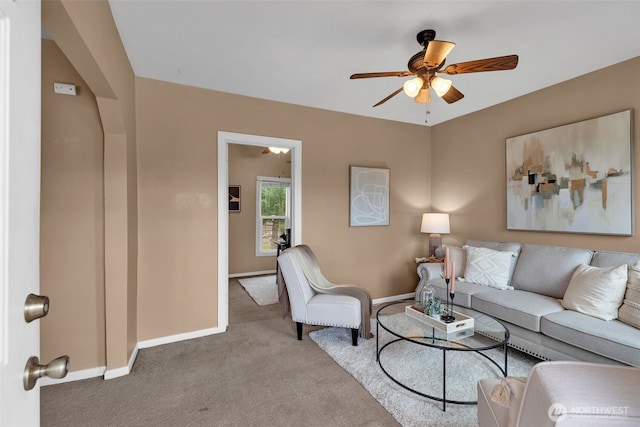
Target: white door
19 205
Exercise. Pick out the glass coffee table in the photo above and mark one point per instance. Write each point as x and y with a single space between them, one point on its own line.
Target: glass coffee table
487 334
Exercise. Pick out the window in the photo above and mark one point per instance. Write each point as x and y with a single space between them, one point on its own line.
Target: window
273 212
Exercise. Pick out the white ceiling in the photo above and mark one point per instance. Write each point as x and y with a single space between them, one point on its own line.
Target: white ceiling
303 52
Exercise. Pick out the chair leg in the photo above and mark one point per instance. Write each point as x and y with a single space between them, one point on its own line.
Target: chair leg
299 328
354 337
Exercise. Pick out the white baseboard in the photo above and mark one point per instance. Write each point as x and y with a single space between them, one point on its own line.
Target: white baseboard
74 376
179 337
252 273
393 298
110 374
125 370
134 356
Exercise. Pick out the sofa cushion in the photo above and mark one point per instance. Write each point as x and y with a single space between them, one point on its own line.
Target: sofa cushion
488 267
533 272
629 311
459 255
495 245
464 290
614 339
521 308
499 246
334 310
612 259
596 291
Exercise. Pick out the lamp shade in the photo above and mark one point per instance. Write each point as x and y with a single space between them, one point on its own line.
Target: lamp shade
412 87
435 223
423 96
440 85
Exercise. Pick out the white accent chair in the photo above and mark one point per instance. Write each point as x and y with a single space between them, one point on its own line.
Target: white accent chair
312 308
565 394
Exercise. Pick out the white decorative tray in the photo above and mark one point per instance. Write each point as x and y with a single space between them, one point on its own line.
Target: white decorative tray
461 322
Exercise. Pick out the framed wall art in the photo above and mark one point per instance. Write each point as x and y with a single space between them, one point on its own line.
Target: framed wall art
575 178
234 198
369 197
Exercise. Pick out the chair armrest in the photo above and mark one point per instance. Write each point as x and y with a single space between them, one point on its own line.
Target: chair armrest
431 270
590 394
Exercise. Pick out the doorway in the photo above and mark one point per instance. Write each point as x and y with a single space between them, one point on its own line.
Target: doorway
224 140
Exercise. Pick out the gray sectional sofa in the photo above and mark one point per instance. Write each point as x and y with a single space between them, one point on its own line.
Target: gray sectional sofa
531 309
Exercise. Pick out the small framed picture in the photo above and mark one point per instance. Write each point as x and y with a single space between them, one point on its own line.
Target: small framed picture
234 198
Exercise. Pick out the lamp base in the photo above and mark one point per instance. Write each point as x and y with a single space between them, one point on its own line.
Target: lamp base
435 242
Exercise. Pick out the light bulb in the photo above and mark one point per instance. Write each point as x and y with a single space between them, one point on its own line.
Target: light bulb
412 87
440 85
278 150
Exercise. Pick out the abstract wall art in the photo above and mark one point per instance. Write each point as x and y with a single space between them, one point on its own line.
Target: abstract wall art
369 201
575 178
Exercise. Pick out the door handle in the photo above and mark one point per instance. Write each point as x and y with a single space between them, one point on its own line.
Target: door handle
57 368
35 307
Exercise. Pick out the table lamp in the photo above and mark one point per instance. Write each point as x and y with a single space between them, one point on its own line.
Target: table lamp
435 223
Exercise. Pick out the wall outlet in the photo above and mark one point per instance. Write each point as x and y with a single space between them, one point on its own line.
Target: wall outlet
64 89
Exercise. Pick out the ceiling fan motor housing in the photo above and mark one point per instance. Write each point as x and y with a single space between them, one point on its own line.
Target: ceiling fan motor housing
425 36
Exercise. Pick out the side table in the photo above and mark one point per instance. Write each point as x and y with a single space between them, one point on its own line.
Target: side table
281 245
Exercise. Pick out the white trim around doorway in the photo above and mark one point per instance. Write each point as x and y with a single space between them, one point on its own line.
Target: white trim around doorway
224 139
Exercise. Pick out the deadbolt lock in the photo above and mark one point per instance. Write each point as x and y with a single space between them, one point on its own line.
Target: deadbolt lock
35 307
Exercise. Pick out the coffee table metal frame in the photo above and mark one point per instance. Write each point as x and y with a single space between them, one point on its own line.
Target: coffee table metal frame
434 342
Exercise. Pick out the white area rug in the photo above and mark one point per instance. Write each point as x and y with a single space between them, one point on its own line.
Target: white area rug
263 289
421 368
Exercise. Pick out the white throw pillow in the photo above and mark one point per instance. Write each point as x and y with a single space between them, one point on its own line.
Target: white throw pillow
488 267
629 311
596 291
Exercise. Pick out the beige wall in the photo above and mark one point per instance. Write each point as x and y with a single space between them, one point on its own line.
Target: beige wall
87 35
72 217
177 131
245 164
161 275
469 177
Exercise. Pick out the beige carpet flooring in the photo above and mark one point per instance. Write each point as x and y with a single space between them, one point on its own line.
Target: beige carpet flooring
256 373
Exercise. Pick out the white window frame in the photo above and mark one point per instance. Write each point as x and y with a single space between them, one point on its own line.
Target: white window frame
259 217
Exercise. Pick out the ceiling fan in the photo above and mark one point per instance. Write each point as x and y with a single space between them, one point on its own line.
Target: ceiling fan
429 61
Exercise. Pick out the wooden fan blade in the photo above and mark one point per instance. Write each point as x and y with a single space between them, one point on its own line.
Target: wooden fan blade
381 74
452 95
389 97
437 51
498 63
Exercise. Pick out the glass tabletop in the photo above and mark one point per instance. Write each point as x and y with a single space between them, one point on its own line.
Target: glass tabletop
486 333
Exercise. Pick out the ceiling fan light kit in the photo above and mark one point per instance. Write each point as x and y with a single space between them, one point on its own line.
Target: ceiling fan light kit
441 86
412 87
423 97
426 63
275 150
